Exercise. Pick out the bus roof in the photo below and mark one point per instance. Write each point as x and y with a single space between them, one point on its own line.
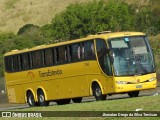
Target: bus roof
105 35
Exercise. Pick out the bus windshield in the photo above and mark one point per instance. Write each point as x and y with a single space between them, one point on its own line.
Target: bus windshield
132 56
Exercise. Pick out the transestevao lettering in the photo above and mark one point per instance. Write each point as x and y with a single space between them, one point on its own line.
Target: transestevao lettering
50 73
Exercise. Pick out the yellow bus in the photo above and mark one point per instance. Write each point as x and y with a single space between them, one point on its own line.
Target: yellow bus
98 65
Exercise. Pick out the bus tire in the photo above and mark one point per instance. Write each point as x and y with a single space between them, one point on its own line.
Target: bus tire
77 100
41 99
30 99
133 94
63 101
97 92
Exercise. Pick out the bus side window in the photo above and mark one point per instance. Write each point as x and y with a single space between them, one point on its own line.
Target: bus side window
101 46
69 52
103 57
89 51
20 62
48 58
66 54
74 52
15 63
25 61
8 64
37 59
30 60
56 55
82 50
79 52
62 54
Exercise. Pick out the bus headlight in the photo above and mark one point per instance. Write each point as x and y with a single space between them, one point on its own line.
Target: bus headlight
152 79
121 82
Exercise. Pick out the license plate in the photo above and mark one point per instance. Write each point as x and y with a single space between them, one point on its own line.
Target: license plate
139 86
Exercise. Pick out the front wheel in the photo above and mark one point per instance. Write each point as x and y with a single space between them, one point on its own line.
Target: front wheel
98 93
133 94
41 99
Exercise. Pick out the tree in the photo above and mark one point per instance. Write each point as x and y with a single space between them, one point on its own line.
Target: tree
47 31
80 20
28 36
143 19
6 45
22 42
6 42
155 13
26 28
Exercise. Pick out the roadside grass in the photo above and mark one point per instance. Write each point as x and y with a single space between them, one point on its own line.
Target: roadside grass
146 103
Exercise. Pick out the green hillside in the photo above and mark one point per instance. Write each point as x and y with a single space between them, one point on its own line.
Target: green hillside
16 13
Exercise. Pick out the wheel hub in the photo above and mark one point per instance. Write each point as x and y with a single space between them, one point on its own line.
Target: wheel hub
30 101
98 92
41 98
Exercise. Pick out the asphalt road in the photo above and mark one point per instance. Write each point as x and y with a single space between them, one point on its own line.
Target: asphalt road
153 92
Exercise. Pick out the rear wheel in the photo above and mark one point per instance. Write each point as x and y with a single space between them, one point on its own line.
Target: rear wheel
30 100
41 99
77 100
98 93
133 94
63 101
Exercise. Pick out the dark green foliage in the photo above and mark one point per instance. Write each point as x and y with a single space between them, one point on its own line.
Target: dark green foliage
154 41
80 20
26 28
47 31
28 36
21 42
155 9
6 44
142 19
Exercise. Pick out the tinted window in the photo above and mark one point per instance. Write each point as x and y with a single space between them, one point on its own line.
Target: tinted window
75 52
89 52
24 61
48 57
37 59
68 53
103 56
15 63
62 54
9 63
